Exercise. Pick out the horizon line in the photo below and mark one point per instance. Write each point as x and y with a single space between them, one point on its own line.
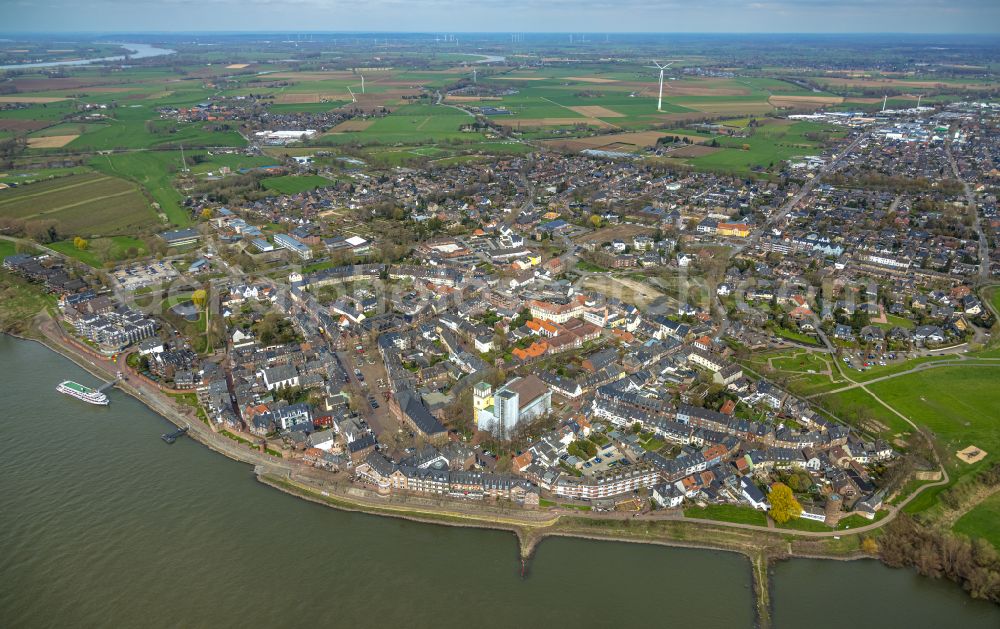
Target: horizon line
493 32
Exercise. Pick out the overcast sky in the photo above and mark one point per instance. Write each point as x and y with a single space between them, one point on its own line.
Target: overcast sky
594 16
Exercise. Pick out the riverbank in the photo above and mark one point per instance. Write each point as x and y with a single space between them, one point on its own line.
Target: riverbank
761 547
530 526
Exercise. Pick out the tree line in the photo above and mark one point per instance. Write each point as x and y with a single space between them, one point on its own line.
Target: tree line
971 562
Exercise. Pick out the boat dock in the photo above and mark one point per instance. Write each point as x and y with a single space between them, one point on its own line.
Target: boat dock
171 437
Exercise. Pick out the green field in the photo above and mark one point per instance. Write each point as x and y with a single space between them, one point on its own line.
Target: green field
83 204
800 524
855 406
411 124
992 294
797 337
767 147
958 405
101 250
293 184
982 521
792 368
20 301
441 154
26 176
154 171
7 248
129 129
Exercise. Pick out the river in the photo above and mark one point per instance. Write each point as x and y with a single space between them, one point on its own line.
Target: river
136 51
102 524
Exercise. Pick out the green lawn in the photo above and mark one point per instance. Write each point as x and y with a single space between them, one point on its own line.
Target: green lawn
893 321
856 521
992 294
293 184
728 513
960 405
800 524
7 248
96 255
799 361
982 521
856 406
590 267
652 445
798 337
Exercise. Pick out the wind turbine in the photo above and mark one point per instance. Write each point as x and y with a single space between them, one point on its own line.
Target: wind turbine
473 75
657 66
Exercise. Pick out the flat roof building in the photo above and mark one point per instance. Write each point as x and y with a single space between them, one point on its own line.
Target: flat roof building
180 237
291 244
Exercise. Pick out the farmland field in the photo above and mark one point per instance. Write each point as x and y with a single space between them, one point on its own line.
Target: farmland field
83 204
619 141
152 171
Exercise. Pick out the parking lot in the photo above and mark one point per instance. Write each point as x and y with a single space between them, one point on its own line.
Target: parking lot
138 276
373 373
863 361
608 457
